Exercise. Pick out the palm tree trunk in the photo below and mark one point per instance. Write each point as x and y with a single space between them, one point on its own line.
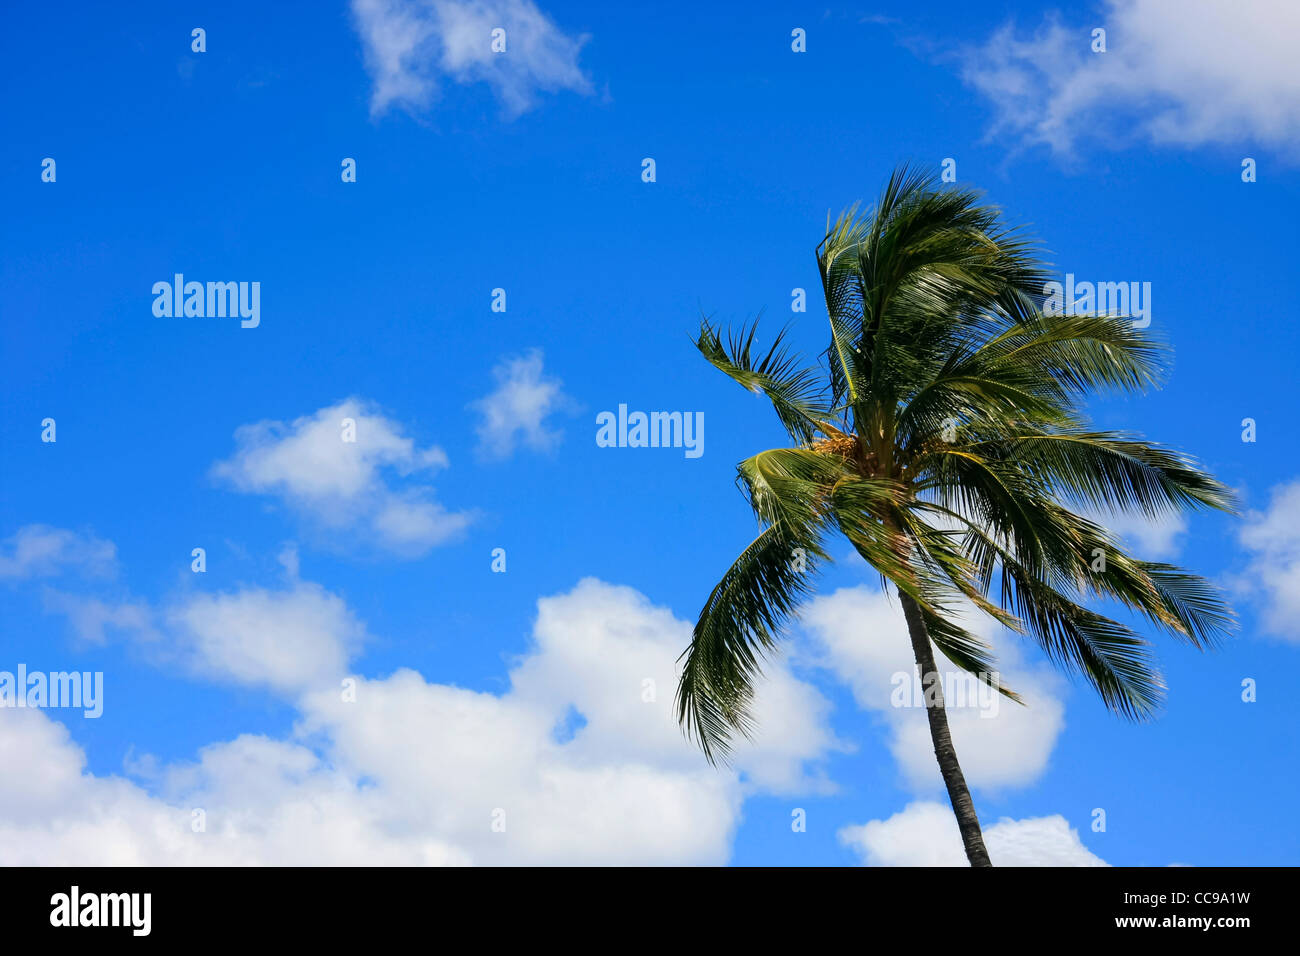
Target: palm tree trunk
958 793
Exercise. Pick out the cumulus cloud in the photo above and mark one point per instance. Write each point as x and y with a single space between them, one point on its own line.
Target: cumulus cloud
1272 537
366 478
926 834
1176 72
405 770
39 551
412 45
860 635
516 411
256 801
287 640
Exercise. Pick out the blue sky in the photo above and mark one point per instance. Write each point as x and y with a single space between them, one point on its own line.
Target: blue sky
522 171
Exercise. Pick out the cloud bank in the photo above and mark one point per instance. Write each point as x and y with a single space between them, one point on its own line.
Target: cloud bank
405 770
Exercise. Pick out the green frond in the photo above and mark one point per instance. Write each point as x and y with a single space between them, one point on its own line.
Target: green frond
791 485
966 651
842 289
738 625
1073 354
793 391
1111 657
863 509
1204 617
951 401
1110 471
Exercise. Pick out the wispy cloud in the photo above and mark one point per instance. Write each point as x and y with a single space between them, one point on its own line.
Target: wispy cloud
93 618
1179 72
516 411
39 551
411 46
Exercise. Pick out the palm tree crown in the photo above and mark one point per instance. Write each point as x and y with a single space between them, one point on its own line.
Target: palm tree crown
945 439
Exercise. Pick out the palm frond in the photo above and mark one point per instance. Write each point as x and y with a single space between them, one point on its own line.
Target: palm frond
1109 655
966 651
793 391
1109 470
738 625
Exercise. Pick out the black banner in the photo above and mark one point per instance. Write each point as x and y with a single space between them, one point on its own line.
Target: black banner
337 905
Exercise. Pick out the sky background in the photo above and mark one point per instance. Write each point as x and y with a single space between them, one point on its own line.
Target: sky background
524 691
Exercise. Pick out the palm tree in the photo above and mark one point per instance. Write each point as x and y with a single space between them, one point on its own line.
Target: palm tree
945 439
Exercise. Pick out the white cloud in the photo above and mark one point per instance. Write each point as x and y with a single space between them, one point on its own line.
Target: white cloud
288 640
39 551
583 635
410 45
263 802
410 524
412 771
1273 575
860 635
1149 538
1180 72
926 834
289 560
517 410
347 484
91 618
